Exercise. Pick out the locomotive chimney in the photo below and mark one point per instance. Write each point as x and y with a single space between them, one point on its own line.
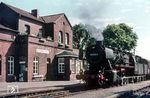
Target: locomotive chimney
99 43
35 13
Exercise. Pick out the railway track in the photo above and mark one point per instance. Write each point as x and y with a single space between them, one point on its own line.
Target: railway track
140 93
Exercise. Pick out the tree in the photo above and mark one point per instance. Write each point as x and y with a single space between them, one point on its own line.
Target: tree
80 36
120 36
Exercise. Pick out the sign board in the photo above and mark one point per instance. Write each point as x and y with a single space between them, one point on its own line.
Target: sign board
12 89
42 51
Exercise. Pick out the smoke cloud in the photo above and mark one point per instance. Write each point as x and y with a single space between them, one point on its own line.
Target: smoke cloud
94 32
89 11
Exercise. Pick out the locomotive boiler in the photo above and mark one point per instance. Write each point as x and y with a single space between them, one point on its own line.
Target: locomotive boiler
109 66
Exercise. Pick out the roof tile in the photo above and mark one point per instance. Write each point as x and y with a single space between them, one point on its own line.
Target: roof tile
44 19
51 18
23 13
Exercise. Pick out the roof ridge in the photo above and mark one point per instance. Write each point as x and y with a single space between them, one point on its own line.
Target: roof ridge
53 15
51 18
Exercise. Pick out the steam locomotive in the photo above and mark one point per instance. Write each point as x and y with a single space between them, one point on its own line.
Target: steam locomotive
110 66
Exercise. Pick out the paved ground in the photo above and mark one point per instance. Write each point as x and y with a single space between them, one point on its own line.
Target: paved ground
24 86
110 92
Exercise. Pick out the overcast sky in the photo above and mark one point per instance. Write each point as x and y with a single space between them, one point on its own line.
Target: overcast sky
100 13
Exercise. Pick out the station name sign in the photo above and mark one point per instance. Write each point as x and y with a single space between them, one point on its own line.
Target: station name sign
42 51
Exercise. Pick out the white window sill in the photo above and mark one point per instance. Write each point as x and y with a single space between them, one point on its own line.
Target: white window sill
38 76
42 40
67 45
60 44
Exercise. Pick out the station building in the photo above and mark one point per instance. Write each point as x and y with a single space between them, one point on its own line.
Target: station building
35 48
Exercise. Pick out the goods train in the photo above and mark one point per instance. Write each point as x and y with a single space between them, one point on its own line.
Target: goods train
110 66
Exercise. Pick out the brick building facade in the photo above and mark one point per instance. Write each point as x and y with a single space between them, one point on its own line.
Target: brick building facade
34 48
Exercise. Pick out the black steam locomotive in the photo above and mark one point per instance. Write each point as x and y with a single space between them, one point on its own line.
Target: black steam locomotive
109 66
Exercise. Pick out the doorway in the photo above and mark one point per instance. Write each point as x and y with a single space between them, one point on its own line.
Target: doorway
23 72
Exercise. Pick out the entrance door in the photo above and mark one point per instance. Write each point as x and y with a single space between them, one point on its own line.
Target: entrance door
23 72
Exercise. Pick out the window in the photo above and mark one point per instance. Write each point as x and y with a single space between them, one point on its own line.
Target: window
63 23
60 37
27 29
10 65
61 65
0 65
73 65
36 66
66 39
40 33
78 66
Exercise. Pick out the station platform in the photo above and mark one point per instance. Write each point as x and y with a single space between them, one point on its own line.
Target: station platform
23 87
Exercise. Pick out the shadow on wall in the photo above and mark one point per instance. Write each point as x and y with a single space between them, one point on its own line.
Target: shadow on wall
51 69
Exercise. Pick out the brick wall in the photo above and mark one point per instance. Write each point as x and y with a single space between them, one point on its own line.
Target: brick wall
34 26
41 51
7 48
76 51
62 25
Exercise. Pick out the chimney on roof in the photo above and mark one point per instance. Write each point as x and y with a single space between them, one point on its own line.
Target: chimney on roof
35 12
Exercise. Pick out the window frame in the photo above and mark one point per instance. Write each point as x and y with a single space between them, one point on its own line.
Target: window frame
40 33
61 65
66 39
27 29
73 65
36 66
60 37
10 62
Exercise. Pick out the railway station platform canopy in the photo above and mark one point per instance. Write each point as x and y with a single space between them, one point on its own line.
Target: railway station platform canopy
67 54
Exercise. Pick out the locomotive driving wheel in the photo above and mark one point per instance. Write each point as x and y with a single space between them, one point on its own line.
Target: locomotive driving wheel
100 82
100 79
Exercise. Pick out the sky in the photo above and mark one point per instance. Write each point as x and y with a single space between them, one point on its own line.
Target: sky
99 13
